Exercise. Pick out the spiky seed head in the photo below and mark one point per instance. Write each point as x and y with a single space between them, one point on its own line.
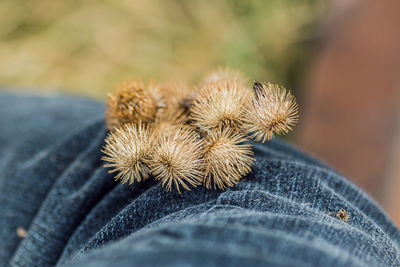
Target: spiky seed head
132 102
174 114
155 89
272 109
169 123
219 105
225 75
178 97
127 151
177 160
226 158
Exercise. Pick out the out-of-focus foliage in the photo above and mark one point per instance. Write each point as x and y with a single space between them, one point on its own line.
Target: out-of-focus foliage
90 46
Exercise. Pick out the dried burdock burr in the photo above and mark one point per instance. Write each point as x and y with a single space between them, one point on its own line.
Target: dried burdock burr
225 75
272 109
177 159
219 106
227 158
155 90
132 102
128 151
185 138
171 117
178 97
170 122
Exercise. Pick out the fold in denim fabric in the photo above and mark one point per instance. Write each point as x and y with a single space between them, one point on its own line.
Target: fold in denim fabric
283 213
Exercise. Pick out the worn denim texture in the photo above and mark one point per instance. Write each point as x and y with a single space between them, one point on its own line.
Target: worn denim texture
53 184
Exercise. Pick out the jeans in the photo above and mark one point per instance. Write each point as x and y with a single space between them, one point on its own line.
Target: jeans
283 213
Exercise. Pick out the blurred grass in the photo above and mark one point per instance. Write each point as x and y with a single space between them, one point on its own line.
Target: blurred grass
87 47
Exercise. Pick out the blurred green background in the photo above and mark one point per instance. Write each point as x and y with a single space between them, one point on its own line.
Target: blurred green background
88 47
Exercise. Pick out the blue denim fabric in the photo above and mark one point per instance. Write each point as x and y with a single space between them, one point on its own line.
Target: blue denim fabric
282 214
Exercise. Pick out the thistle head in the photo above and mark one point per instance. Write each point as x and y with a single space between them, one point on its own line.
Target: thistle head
127 152
219 105
177 159
272 109
226 158
132 102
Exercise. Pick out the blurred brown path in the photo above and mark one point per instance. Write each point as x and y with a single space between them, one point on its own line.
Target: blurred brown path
352 112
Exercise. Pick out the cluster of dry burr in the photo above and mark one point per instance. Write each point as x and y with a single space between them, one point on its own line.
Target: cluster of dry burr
187 136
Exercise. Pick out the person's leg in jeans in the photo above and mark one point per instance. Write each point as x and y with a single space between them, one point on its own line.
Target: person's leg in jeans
284 213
